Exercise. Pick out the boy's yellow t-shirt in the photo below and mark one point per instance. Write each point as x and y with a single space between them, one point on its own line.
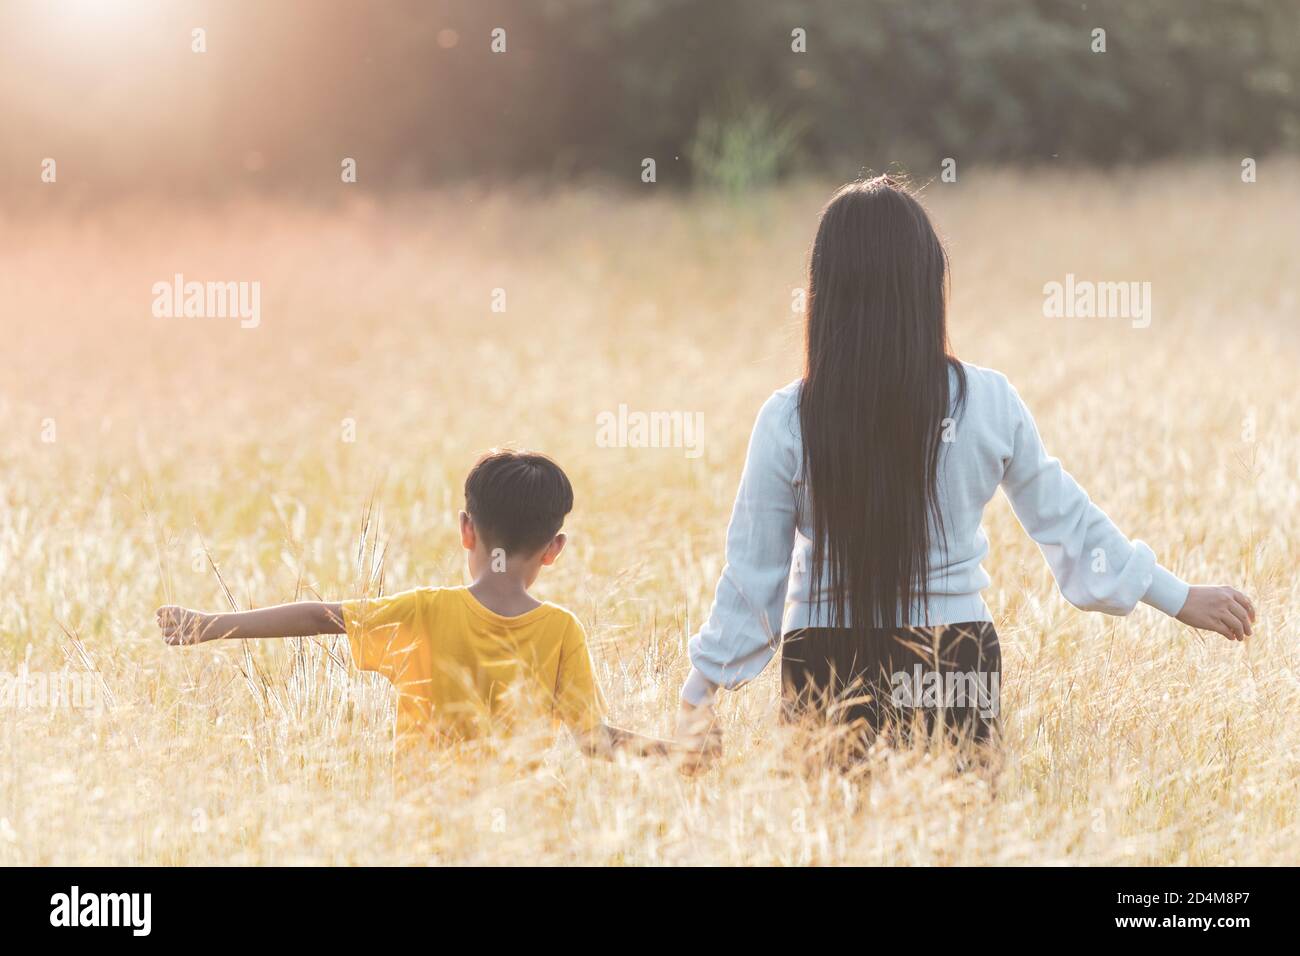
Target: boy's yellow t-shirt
461 670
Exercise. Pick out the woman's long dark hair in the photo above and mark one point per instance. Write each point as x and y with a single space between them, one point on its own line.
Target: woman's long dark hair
874 401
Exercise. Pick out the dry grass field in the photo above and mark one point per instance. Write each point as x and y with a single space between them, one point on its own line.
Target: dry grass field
135 447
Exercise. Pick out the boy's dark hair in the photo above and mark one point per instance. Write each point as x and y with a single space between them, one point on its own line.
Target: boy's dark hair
517 499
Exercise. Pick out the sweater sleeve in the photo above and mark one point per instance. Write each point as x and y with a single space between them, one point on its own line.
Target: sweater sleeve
1096 567
744 624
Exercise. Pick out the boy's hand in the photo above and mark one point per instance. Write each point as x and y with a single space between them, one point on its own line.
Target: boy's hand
605 740
698 737
1223 610
181 626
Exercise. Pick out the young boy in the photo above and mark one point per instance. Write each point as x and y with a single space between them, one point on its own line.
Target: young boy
464 659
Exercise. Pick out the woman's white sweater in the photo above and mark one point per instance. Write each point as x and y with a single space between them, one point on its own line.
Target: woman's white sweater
990 442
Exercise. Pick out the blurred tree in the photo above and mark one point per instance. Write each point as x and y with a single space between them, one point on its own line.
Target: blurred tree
713 90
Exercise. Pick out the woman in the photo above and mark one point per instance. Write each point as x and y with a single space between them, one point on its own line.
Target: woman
870 476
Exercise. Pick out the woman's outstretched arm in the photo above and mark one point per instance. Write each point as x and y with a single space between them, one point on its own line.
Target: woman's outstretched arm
744 625
1096 567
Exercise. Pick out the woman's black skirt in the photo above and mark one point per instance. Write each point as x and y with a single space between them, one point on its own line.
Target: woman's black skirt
896 681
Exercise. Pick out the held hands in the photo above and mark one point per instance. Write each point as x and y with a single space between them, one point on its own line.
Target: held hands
1223 610
181 626
698 741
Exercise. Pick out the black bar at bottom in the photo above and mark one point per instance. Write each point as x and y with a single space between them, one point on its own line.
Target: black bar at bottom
328 906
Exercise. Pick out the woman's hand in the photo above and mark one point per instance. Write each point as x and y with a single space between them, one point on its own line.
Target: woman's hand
181 626
1224 610
699 738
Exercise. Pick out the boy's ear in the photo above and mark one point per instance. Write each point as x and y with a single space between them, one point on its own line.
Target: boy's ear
553 549
468 537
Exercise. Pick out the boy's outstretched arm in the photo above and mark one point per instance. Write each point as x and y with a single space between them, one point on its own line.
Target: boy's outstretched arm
605 740
302 619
